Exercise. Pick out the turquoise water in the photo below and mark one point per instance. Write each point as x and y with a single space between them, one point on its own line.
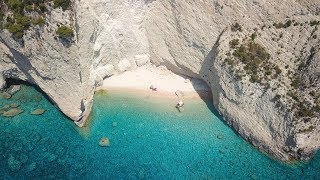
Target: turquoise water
150 141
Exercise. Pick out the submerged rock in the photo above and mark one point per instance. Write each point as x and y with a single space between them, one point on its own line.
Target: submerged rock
37 98
38 111
29 147
23 158
31 167
24 141
60 151
17 146
114 124
13 89
12 112
14 164
35 136
51 157
14 105
4 109
6 95
104 142
219 136
43 140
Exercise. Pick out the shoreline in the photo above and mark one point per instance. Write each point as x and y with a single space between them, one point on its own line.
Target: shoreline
138 81
167 83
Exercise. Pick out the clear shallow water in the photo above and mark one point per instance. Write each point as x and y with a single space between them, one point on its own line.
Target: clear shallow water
151 141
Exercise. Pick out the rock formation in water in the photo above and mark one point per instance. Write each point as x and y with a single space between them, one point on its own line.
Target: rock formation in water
260 58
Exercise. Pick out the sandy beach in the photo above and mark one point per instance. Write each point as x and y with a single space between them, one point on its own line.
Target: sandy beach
166 83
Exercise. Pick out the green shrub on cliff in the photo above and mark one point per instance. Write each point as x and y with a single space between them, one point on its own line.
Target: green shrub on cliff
39 21
29 8
233 43
314 23
65 32
281 25
255 59
42 7
64 4
252 55
1 20
236 27
16 30
24 21
16 6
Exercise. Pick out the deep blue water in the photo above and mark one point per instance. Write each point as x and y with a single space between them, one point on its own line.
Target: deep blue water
150 141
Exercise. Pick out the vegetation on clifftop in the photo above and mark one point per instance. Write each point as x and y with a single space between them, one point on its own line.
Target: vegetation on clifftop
17 16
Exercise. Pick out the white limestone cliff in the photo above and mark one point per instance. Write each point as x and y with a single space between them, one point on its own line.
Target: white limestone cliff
193 38
188 37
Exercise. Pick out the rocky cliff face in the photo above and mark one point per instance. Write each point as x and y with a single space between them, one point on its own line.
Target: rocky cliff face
261 59
44 61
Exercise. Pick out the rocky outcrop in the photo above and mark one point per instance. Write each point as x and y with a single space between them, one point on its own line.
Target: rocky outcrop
193 38
209 40
44 61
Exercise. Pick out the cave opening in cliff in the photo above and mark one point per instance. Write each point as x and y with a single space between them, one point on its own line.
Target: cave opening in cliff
11 82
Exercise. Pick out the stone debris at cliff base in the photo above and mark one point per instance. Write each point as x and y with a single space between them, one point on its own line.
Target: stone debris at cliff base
6 95
12 112
38 111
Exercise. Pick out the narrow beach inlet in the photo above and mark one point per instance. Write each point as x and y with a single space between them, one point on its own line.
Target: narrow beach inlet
167 83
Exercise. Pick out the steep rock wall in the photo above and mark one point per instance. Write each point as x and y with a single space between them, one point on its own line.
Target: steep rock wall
44 61
192 38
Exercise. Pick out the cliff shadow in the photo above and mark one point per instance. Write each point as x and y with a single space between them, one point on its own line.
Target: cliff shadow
209 74
212 80
206 97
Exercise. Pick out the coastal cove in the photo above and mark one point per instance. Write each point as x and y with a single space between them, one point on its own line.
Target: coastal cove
149 139
260 61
